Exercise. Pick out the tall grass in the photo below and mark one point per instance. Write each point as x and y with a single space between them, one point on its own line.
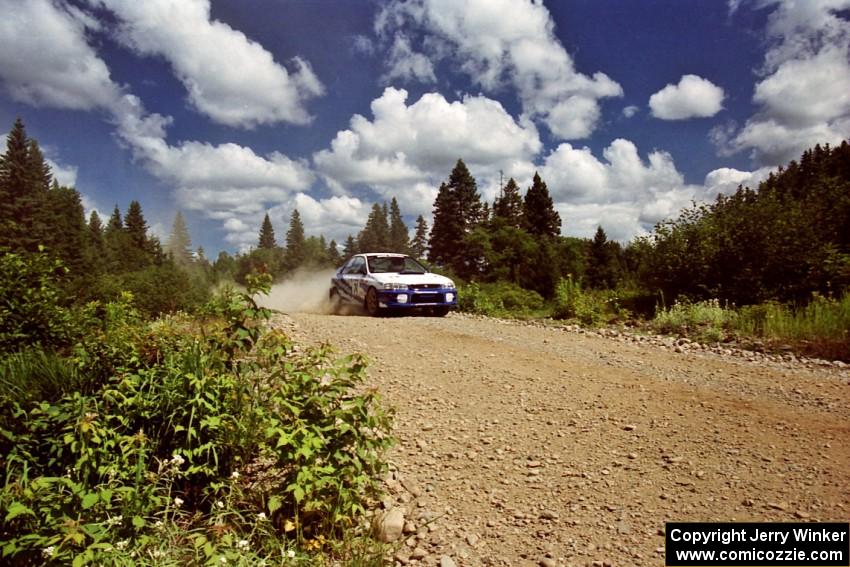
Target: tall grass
819 328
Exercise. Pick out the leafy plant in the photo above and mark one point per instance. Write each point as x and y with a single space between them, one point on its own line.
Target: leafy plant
217 436
31 310
573 302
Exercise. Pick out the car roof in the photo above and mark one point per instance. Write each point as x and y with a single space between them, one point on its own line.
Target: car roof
383 254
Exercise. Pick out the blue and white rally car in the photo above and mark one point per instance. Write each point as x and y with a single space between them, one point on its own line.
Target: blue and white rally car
383 282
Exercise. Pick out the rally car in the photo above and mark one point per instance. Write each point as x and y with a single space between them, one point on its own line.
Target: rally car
382 282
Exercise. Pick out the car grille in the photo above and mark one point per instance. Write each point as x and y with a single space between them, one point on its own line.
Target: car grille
427 298
425 286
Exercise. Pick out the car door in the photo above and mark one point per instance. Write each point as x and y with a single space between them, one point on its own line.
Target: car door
353 278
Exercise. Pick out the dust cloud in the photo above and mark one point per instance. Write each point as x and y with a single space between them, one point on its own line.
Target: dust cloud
305 291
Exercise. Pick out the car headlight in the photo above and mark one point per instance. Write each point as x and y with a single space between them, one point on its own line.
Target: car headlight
395 286
449 285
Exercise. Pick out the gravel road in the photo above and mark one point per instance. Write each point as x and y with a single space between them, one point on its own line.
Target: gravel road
528 445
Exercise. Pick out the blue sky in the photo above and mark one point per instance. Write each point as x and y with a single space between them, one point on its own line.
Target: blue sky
227 110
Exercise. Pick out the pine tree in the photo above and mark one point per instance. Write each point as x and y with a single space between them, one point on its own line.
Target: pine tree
508 205
24 182
398 230
602 261
95 232
266 239
375 236
333 253
115 241
138 250
419 244
457 211
540 216
179 244
296 252
350 248
39 172
63 213
116 223
95 248
136 226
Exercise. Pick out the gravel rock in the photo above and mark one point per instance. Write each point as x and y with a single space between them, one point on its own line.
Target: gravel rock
389 525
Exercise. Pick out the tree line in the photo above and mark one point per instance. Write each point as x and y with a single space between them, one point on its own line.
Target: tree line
783 241
101 260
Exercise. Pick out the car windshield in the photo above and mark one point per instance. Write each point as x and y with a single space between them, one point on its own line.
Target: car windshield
395 264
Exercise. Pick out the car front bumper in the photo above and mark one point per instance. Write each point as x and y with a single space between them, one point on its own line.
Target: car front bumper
415 298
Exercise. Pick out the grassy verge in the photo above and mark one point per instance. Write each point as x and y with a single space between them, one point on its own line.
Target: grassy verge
820 328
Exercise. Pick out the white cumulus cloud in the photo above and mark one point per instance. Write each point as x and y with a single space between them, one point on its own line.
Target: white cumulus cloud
692 97
804 93
228 77
408 148
65 175
46 60
498 43
623 192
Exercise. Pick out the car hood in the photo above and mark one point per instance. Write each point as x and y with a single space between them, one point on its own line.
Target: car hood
413 279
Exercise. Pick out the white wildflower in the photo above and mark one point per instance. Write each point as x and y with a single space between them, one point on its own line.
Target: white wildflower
122 544
219 504
177 460
234 475
223 560
262 516
47 552
242 544
178 501
290 553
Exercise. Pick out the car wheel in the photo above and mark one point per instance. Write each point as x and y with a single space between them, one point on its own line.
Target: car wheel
372 302
335 301
439 311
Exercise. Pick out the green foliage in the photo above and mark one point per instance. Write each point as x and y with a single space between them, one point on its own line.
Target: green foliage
499 299
184 441
398 230
508 205
704 320
31 306
821 327
781 243
573 302
591 306
457 211
419 244
375 236
603 261
539 215
179 244
296 252
266 239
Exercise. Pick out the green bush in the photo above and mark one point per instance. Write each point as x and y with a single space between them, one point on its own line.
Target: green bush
31 306
498 299
198 441
573 302
705 320
156 289
821 327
